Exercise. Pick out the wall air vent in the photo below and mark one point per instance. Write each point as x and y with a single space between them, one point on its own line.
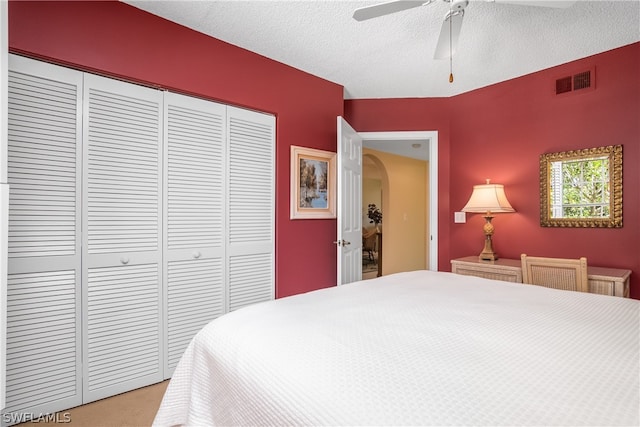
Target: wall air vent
563 85
577 82
582 80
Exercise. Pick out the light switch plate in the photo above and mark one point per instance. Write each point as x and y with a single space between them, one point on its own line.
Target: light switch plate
459 217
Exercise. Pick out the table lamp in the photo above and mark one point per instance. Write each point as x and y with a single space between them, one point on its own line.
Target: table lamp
488 199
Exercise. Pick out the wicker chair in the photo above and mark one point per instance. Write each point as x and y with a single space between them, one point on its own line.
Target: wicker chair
557 273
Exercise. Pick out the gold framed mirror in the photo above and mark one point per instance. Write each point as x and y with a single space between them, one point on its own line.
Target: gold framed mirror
582 188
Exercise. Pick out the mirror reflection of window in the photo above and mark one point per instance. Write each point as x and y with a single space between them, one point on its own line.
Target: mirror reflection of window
580 188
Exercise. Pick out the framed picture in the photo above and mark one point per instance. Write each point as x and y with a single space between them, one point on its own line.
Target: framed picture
313 183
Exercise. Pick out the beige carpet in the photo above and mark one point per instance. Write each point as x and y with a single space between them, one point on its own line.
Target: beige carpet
136 408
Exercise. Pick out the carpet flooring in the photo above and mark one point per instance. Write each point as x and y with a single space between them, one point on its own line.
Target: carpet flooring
136 408
368 267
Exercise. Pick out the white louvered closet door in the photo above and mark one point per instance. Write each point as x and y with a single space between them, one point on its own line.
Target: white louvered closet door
135 217
194 218
43 301
250 207
123 337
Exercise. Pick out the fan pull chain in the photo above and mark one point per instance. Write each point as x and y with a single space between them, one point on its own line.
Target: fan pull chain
450 45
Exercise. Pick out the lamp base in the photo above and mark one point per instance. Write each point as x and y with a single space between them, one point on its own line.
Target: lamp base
488 256
488 253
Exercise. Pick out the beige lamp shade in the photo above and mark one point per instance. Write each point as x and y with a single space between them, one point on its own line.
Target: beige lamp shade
488 198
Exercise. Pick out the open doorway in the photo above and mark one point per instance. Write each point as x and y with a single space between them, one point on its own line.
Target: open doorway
401 216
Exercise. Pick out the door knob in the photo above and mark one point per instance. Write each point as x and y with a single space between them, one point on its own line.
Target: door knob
341 242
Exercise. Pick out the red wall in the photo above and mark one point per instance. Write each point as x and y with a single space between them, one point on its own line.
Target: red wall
115 39
498 132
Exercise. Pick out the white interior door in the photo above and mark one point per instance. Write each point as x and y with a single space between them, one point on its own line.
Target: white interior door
44 359
194 220
250 208
122 237
349 239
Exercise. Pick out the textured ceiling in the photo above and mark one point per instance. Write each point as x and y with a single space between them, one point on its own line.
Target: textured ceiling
392 56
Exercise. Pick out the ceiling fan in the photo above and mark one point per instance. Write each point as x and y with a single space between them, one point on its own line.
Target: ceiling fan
450 31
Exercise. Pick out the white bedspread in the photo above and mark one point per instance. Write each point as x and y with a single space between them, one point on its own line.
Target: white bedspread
417 348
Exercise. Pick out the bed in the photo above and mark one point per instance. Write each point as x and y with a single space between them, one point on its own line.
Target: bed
415 348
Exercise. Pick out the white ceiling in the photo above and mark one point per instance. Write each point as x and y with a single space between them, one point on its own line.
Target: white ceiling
392 56
408 148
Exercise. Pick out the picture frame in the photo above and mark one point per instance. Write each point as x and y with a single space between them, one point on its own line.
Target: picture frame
313 183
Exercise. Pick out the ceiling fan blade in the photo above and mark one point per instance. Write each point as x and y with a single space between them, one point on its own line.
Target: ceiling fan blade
382 9
558 4
444 49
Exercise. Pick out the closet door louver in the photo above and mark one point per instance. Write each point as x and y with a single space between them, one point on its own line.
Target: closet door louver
123 335
194 218
43 286
250 208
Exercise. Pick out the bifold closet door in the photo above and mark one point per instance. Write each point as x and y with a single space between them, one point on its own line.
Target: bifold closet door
122 249
43 289
250 207
195 135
